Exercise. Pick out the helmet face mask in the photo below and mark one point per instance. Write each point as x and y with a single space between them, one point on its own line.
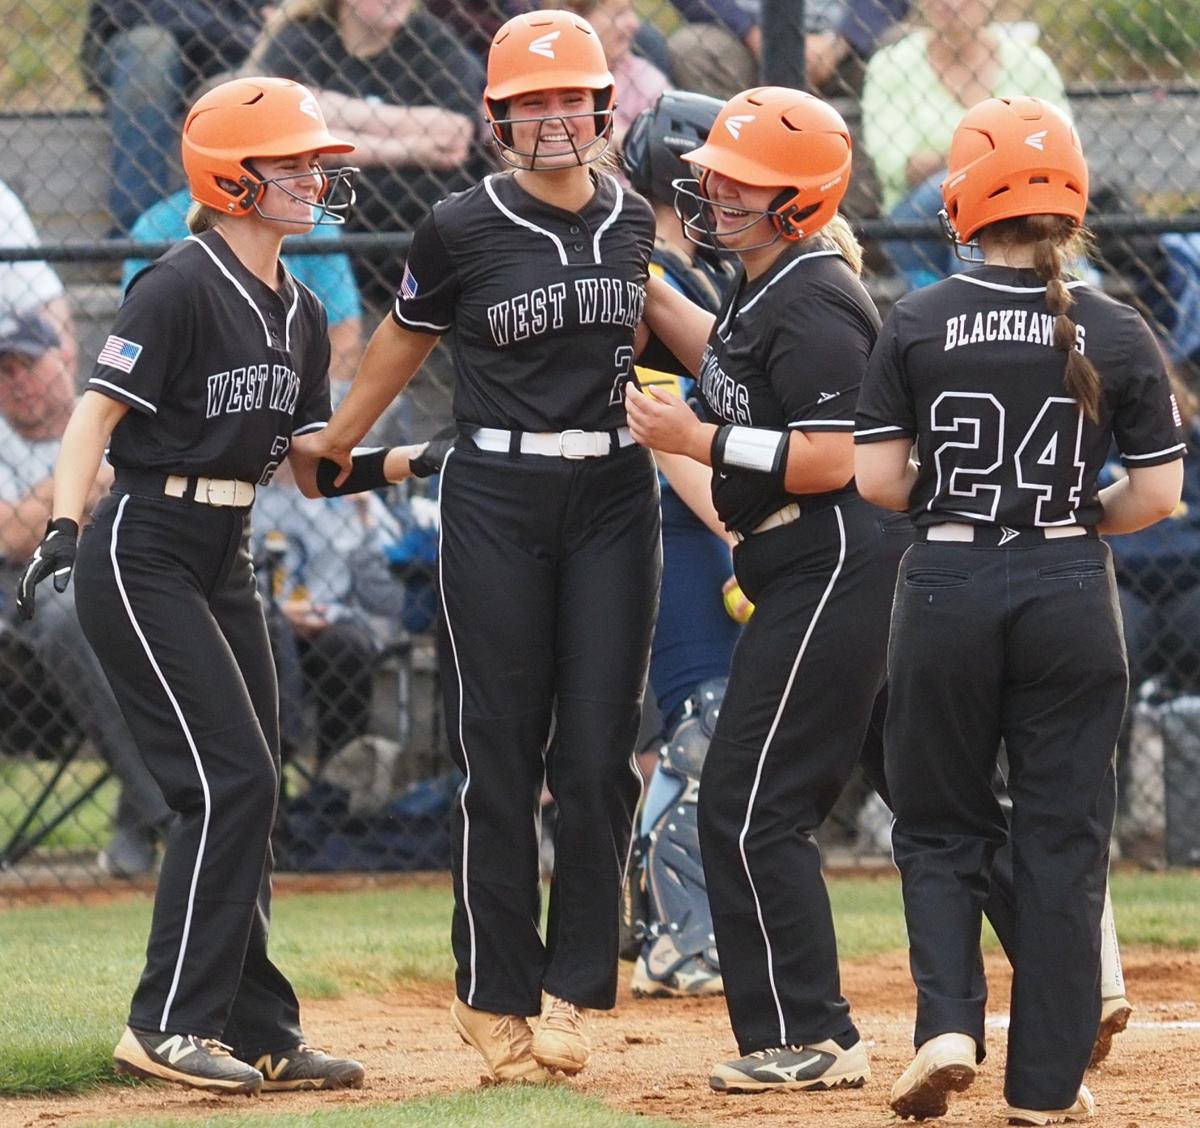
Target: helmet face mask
696 211
264 119
540 52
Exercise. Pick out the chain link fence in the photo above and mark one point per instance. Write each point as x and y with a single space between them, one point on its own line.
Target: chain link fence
91 97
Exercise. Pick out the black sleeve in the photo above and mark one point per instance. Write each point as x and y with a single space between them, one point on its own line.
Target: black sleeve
150 340
885 408
429 289
1146 423
314 408
816 386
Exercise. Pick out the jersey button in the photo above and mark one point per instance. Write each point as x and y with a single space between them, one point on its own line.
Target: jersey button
574 230
577 246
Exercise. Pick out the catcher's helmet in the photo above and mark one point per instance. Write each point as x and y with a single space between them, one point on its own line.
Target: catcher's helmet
1012 157
254 117
677 122
770 137
546 50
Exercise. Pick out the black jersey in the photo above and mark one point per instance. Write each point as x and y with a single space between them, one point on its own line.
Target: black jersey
543 302
788 351
968 367
220 370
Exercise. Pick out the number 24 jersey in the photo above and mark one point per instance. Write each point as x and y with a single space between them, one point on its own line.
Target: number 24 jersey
967 367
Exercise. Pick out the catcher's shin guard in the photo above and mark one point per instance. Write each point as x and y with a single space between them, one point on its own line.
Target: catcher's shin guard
679 954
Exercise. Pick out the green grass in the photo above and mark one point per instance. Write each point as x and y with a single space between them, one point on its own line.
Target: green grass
69 970
87 828
501 1106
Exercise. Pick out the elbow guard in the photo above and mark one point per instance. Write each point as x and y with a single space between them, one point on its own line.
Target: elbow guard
751 448
366 472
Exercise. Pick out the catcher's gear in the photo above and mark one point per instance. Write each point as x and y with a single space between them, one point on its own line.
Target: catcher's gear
548 50
1012 157
677 122
770 137
259 117
55 556
679 954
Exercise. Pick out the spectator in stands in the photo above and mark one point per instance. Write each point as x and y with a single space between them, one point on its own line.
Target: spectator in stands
33 287
639 82
399 85
475 22
718 51
914 92
145 58
37 395
323 570
38 359
330 277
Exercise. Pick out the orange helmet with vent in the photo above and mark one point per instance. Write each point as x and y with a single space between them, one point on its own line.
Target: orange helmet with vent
243 119
771 137
546 50
1012 157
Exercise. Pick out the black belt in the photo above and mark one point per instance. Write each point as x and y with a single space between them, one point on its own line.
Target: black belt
1001 536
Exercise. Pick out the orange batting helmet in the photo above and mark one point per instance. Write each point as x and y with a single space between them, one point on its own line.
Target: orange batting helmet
1012 157
247 118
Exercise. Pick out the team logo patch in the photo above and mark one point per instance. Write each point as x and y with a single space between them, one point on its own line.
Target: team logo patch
408 285
544 44
1037 140
120 353
734 124
308 105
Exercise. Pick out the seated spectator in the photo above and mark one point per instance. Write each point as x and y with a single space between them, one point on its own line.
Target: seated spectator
639 82
145 58
330 277
332 602
37 394
916 89
32 288
718 50
399 85
475 22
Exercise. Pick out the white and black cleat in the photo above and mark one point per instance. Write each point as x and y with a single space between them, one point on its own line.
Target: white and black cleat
824 1065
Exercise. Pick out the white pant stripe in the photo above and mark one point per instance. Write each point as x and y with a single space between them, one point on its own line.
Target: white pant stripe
462 797
762 759
187 734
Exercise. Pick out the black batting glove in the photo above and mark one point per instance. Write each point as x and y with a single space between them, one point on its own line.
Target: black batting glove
430 460
55 556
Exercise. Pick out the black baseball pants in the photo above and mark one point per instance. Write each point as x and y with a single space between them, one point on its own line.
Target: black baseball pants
805 675
166 596
1024 645
549 573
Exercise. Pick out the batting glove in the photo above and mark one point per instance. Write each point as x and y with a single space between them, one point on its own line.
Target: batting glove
55 556
430 460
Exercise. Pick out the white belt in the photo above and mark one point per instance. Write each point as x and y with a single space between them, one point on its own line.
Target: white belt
784 516
559 444
211 491
964 533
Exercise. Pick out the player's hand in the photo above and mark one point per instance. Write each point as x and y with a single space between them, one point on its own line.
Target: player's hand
430 457
661 421
55 556
737 606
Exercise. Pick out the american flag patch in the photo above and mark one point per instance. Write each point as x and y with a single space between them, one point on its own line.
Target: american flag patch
120 353
408 285
1175 411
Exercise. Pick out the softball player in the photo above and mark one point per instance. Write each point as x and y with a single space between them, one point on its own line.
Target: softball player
778 371
216 359
1005 623
549 550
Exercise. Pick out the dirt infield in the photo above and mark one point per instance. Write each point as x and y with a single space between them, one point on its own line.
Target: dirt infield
652 1058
